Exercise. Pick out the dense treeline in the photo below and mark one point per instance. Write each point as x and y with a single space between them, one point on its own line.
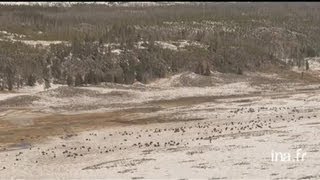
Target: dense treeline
235 37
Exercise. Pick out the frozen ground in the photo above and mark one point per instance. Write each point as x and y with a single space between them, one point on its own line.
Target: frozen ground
172 128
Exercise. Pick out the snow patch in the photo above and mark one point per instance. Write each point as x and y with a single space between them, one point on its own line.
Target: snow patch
314 63
27 90
166 45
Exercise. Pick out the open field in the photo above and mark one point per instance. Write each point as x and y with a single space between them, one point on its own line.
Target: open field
162 130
